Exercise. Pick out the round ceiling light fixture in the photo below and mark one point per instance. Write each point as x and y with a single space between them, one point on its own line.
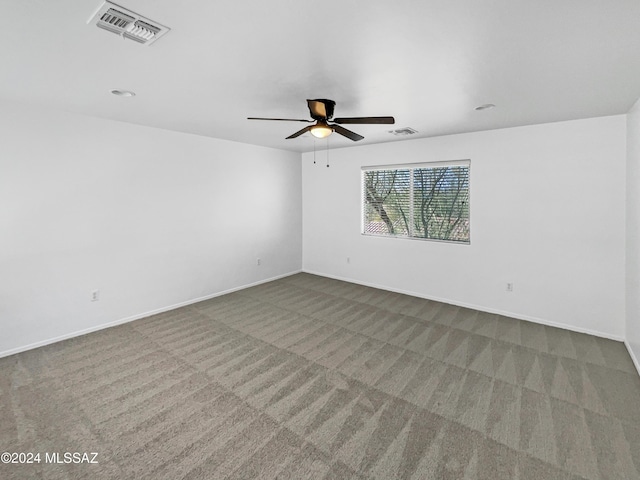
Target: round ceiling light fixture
486 106
123 93
321 130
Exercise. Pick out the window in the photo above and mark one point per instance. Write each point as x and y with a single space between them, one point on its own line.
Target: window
427 200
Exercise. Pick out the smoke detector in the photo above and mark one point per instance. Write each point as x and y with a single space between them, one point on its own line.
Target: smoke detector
127 24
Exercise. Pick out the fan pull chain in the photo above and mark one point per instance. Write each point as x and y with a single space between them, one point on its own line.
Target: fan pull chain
327 152
314 152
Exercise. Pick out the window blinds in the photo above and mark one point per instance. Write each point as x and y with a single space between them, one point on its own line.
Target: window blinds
428 201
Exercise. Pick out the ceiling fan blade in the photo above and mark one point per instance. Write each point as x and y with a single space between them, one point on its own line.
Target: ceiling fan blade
280 119
300 132
366 120
346 133
321 109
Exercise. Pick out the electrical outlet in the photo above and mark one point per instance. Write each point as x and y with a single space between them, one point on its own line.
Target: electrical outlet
509 287
348 259
95 295
258 262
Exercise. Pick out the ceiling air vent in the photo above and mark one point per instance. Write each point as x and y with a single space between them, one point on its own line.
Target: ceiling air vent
127 24
403 132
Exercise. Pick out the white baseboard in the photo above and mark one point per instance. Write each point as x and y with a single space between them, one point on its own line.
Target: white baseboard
78 333
632 354
541 321
481 308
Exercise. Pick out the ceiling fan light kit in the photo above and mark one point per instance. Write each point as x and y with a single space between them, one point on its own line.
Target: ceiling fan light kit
321 111
321 131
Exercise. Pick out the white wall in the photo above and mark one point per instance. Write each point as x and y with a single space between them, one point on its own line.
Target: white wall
151 218
633 233
547 214
155 218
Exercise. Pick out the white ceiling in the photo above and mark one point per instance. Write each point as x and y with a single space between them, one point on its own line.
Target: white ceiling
426 62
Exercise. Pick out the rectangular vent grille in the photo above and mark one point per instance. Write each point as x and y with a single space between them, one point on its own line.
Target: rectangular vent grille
403 132
127 24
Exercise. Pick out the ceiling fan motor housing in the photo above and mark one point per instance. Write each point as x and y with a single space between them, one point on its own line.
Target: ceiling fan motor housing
321 109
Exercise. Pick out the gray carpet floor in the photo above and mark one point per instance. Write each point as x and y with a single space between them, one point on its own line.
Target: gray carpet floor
312 378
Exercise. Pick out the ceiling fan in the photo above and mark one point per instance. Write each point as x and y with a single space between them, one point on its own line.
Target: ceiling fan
322 113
